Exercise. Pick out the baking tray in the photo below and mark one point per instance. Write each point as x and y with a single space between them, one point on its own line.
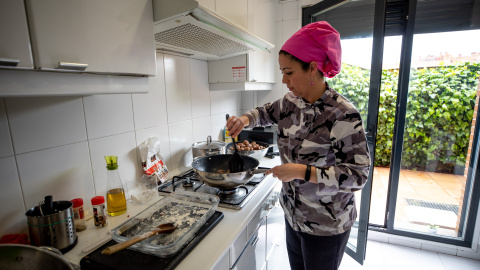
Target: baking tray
130 259
188 210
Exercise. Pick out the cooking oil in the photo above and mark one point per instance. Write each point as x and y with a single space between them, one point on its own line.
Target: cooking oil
116 203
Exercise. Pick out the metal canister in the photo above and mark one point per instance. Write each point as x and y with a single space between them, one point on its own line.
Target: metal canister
54 228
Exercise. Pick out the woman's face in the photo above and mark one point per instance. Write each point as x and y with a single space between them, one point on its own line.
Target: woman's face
296 79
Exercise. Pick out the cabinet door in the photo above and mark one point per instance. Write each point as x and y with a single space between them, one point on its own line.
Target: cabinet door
15 42
253 256
262 64
108 36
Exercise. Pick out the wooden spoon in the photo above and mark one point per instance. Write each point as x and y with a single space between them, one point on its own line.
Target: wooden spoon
163 228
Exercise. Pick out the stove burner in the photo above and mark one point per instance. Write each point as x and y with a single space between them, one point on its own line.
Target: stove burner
227 191
233 198
187 182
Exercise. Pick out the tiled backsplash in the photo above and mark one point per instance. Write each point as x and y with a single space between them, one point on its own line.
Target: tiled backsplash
56 145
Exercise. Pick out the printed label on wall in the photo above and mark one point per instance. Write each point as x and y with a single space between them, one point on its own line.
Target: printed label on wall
239 73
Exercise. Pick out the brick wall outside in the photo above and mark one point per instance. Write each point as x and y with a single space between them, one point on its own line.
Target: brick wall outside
467 164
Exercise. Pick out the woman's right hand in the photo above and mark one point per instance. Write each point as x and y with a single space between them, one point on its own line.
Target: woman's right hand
236 124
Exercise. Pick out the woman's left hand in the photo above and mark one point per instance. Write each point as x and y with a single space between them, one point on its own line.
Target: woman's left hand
287 172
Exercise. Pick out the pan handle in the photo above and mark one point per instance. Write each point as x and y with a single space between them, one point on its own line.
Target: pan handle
260 170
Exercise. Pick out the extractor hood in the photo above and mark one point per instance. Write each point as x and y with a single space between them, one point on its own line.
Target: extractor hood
186 28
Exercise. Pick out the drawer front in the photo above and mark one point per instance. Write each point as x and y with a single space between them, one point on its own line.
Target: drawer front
253 257
237 247
254 223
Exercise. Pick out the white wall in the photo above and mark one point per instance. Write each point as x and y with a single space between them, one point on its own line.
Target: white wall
56 145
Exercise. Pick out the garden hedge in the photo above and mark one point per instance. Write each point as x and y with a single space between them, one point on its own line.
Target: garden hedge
439 115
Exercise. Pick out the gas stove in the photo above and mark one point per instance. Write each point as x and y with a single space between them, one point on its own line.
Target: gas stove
234 198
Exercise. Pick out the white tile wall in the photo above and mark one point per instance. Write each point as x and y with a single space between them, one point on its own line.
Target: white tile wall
177 82
13 210
290 10
150 109
107 115
60 142
44 122
63 172
6 148
200 92
122 145
181 140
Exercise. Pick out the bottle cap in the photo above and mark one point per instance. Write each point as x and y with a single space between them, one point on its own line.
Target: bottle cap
111 162
98 200
77 202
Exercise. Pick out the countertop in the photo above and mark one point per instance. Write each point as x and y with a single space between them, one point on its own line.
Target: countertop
206 254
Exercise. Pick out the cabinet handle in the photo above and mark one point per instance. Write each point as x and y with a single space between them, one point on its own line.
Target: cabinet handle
10 62
72 66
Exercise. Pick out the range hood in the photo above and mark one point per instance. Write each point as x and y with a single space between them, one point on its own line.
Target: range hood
186 28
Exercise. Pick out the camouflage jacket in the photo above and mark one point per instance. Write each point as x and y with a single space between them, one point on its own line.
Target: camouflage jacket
329 135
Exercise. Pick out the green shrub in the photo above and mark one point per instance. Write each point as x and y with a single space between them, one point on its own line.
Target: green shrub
439 113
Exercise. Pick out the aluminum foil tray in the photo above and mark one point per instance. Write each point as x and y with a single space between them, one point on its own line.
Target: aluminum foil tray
189 210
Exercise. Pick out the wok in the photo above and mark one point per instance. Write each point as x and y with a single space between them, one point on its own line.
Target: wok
213 171
16 256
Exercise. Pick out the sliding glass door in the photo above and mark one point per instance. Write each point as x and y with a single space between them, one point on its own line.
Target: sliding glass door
356 81
412 69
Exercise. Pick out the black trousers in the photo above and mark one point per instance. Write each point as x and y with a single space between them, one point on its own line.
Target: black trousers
312 252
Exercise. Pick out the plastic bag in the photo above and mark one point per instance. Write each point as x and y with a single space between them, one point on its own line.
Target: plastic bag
152 160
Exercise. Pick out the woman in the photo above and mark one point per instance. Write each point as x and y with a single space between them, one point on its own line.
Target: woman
322 146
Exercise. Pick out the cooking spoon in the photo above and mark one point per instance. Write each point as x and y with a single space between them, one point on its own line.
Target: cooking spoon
236 162
163 228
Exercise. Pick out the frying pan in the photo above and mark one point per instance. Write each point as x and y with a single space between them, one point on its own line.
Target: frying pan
213 171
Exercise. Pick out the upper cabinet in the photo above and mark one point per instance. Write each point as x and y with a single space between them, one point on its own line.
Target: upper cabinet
108 36
254 70
15 44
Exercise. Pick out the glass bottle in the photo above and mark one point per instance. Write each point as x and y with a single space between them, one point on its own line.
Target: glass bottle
116 202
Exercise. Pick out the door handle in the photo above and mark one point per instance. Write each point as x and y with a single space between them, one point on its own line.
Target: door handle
370 134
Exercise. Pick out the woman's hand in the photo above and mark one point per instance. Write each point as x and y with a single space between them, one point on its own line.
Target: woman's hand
236 124
289 171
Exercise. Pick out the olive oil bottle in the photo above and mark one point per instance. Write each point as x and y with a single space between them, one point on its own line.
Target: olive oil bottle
116 202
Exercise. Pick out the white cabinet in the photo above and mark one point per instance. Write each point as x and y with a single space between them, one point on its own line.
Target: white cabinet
253 256
15 42
254 70
109 36
250 71
223 263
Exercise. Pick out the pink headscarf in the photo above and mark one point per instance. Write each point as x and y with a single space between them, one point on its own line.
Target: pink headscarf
317 42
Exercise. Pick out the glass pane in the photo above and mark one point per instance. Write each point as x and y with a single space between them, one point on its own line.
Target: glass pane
439 120
353 82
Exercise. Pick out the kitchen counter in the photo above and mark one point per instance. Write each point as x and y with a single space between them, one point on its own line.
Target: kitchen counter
206 254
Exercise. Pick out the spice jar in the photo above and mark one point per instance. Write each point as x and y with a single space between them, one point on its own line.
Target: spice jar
78 215
99 213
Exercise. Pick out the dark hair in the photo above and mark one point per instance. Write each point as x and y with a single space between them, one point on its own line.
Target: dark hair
304 65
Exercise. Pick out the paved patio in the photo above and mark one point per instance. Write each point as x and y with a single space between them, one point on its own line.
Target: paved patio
435 188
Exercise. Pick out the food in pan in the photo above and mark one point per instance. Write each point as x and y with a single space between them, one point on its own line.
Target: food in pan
248 146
